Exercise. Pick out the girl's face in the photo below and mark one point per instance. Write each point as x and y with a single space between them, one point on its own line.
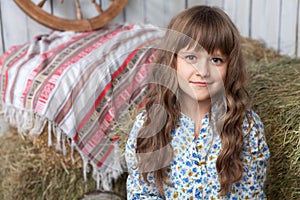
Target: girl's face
200 75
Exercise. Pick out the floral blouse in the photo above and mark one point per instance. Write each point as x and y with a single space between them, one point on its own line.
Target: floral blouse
193 172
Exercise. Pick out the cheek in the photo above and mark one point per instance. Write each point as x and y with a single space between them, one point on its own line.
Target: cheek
182 72
181 78
219 73
223 73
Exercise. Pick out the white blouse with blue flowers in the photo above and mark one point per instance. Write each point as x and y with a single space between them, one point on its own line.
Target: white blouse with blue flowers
193 171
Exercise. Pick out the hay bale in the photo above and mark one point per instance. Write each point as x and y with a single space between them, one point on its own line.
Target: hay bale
274 84
29 169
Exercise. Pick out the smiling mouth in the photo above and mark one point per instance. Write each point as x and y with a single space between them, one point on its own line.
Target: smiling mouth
200 83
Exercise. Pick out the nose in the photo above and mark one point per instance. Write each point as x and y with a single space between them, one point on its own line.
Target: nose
202 68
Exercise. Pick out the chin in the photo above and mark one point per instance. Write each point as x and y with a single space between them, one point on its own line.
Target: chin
202 98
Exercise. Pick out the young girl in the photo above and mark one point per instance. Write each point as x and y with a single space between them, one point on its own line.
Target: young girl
198 138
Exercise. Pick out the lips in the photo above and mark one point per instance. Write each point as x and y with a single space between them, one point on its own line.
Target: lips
200 83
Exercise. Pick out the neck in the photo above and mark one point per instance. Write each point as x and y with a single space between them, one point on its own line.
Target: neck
196 110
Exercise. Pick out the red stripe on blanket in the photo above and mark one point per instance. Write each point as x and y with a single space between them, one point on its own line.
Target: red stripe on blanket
125 63
8 54
81 124
117 73
73 39
8 68
108 86
43 94
100 163
92 146
66 108
3 60
46 56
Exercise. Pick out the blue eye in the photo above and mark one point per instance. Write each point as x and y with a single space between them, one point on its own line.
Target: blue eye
191 58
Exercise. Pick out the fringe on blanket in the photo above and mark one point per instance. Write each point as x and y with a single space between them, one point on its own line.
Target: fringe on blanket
29 123
26 122
104 176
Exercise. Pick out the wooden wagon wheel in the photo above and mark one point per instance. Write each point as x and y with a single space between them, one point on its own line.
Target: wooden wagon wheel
36 12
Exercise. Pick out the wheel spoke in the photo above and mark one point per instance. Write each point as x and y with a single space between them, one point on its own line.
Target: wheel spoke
78 10
41 4
98 7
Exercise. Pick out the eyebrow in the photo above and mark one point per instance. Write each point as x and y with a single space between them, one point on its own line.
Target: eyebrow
187 51
192 51
218 54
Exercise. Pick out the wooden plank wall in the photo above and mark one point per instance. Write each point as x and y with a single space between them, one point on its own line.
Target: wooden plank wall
275 22
1 37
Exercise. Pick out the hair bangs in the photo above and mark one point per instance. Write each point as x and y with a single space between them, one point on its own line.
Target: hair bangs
208 30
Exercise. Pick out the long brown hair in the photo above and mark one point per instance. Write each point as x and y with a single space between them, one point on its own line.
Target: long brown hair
211 28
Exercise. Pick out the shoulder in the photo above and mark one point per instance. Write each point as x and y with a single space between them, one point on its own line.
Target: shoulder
140 118
252 122
138 123
254 133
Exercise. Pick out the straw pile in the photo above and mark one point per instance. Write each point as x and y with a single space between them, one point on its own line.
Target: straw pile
31 170
274 84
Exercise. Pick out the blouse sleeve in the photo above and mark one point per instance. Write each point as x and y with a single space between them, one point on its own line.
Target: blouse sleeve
137 188
259 156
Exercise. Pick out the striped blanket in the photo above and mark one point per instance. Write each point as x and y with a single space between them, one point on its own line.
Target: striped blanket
77 84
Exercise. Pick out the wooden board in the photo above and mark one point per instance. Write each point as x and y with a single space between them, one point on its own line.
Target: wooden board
135 11
265 22
243 16
88 9
172 8
297 51
2 47
15 29
118 19
218 3
230 7
191 3
155 11
288 28
66 10
36 28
